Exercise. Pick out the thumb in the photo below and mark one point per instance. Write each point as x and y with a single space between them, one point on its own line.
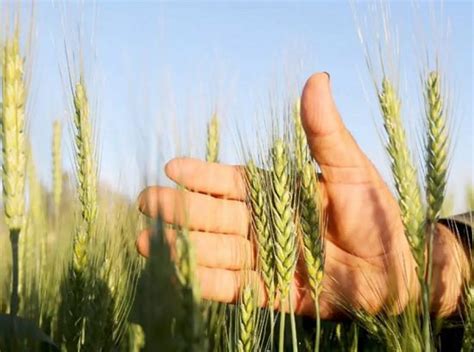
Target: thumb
337 153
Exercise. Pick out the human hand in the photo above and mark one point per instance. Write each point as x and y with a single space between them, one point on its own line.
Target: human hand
368 262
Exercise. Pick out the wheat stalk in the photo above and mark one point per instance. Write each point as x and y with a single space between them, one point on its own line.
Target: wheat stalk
436 176
284 234
247 323
310 216
13 135
78 293
13 153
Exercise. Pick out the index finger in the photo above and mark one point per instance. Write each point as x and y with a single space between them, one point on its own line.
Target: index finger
226 181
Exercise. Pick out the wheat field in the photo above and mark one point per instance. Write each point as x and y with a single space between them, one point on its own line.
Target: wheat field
71 278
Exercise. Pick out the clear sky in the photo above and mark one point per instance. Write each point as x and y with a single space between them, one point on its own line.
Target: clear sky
157 68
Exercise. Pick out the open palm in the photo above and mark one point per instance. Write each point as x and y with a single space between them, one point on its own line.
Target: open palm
368 260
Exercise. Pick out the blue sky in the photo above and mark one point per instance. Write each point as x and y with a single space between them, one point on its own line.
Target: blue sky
157 68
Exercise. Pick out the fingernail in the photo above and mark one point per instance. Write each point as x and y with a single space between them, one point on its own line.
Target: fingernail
329 76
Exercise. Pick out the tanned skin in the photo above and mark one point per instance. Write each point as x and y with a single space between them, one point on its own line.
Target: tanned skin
368 260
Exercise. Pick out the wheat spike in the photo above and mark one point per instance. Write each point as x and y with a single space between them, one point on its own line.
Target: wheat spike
403 170
212 146
308 206
86 174
310 225
262 228
13 135
436 147
13 153
247 334
311 228
282 217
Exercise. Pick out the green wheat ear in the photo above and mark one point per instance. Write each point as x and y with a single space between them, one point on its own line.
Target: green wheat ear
403 170
282 217
310 214
86 174
308 206
436 147
212 146
247 321
259 200
311 228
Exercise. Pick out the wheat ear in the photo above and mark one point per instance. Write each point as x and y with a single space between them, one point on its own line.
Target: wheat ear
403 170
212 146
436 147
247 323
310 216
436 179
282 217
259 202
308 207
13 153
283 228
86 174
